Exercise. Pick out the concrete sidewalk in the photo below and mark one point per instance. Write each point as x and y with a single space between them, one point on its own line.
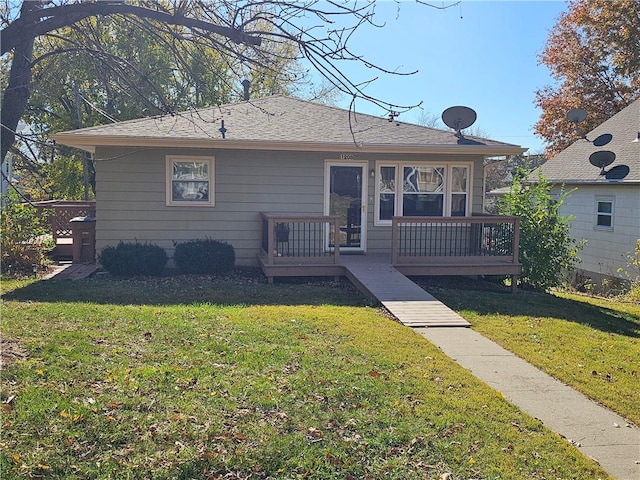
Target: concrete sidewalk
595 430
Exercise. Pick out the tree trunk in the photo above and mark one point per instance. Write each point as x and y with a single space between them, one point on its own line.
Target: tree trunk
16 95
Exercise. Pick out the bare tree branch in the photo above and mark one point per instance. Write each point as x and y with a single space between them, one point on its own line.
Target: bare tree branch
253 36
33 24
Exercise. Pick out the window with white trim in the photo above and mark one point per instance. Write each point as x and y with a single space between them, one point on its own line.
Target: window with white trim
386 204
604 213
421 189
459 191
190 180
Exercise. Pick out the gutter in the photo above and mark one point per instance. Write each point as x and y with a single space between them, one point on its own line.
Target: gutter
89 144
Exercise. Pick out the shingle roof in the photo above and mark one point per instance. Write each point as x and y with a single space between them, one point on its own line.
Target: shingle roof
277 121
572 164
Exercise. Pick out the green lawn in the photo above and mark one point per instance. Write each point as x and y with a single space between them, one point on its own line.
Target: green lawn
192 378
592 344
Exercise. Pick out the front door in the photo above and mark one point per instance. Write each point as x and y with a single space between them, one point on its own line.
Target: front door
345 197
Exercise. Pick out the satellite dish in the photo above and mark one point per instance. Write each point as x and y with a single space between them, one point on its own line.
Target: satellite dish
602 159
576 115
459 118
602 140
619 172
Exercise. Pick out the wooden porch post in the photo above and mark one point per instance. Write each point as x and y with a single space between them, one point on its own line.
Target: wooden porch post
270 245
336 244
516 252
395 238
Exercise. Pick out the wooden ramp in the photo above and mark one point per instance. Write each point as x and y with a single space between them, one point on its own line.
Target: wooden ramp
410 304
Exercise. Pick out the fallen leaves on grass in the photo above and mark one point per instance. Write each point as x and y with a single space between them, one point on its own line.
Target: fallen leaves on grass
10 352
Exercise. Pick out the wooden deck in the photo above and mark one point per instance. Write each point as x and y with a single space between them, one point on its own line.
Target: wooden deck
58 215
411 305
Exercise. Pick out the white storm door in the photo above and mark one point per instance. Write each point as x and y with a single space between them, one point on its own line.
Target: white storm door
345 197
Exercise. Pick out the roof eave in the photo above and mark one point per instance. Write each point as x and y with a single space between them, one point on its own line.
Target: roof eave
89 143
573 181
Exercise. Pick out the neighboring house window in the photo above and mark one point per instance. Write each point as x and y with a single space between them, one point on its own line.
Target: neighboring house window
604 213
190 180
421 190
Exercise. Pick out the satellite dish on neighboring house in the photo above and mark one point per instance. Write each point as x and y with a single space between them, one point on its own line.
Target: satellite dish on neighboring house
576 115
619 172
602 159
458 118
602 140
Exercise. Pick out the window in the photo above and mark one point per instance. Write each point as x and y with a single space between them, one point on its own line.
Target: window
190 181
604 213
421 190
459 189
387 192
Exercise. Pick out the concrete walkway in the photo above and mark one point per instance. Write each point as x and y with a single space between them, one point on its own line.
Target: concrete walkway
595 430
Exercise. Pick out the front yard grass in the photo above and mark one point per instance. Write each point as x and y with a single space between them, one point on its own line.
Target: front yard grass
591 344
187 378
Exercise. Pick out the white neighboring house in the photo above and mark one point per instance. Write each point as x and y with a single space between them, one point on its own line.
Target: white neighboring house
605 202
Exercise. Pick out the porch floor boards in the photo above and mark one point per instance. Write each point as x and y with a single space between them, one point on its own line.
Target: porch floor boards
411 305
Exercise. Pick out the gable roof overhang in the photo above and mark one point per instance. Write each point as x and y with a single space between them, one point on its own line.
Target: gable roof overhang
89 144
582 181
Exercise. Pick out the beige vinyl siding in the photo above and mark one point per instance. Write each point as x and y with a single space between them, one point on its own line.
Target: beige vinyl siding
131 196
606 251
132 191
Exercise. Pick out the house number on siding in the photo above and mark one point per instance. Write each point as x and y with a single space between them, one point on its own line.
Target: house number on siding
347 156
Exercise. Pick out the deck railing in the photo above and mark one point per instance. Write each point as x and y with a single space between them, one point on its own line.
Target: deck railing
455 240
62 213
59 216
297 239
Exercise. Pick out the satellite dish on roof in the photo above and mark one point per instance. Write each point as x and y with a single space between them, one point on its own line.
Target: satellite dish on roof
619 172
576 115
602 159
602 140
459 118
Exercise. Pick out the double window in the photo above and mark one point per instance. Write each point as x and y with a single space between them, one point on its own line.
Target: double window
190 180
413 190
604 213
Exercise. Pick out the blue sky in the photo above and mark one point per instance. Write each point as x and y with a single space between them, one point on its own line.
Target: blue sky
482 54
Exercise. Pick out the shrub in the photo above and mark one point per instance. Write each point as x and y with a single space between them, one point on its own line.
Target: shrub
129 259
633 274
204 256
25 238
547 251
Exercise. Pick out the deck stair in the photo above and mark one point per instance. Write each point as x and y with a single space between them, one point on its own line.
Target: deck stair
413 306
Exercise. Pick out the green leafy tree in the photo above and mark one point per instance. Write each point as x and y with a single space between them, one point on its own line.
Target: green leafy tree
64 178
547 250
23 241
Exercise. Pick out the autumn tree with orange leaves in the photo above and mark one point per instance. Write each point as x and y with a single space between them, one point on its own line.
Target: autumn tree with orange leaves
593 53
